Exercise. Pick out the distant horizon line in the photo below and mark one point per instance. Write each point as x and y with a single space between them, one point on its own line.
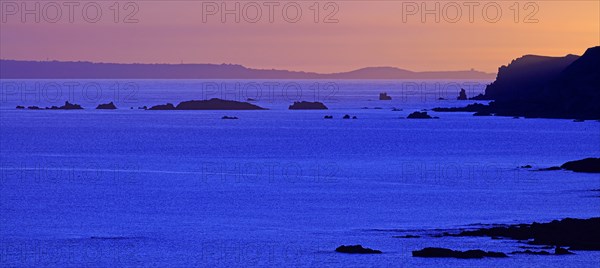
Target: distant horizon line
254 68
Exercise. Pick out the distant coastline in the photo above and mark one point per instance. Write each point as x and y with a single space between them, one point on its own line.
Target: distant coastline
17 69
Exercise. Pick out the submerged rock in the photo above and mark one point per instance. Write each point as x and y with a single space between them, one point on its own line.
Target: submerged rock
562 251
107 106
406 236
328 117
549 169
305 105
357 249
531 252
482 114
229 117
20 107
448 253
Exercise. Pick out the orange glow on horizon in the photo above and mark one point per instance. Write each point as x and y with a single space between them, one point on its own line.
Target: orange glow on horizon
366 34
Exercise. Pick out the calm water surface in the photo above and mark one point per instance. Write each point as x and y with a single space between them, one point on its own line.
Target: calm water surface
276 187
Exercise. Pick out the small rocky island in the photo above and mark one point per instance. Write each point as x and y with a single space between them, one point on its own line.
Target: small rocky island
356 249
67 106
212 104
305 105
420 115
384 96
106 106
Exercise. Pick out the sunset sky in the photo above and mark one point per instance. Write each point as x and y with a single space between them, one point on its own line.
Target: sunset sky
368 33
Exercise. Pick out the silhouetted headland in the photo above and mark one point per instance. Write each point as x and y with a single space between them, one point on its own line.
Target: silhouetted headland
544 87
588 165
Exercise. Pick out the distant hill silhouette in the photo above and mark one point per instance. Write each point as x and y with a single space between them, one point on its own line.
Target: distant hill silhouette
548 87
14 69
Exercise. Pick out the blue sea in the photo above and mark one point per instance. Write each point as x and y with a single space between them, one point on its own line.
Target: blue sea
277 187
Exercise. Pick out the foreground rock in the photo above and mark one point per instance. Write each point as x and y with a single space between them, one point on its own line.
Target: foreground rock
588 165
107 106
357 249
419 115
305 105
577 234
448 253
